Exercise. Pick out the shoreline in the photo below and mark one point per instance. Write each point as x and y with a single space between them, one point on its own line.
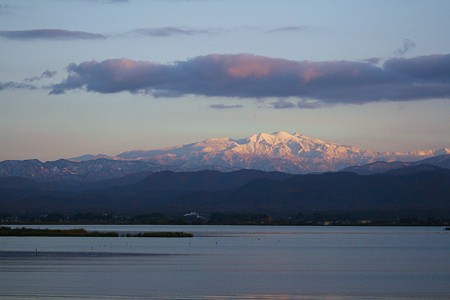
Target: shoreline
80 232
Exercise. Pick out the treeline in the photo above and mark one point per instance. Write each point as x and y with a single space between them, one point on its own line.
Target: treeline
405 218
80 232
8 231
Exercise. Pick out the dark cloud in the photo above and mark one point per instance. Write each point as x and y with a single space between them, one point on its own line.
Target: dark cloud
251 76
224 106
282 104
407 46
45 74
169 31
288 29
49 34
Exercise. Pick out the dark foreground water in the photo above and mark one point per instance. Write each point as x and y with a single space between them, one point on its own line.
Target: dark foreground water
231 262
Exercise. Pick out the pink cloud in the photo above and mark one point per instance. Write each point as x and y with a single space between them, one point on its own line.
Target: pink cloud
251 76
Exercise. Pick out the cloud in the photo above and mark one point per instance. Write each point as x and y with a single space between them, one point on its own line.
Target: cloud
60 34
224 106
258 77
407 46
16 85
373 60
288 29
302 104
46 74
169 31
243 28
49 34
282 104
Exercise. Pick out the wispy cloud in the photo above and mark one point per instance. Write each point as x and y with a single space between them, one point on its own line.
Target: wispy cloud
373 60
407 46
169 31
166 31
44 75
302 104
288 29
243 28
282 104
258 77
224 106
28 83
49 34
11 85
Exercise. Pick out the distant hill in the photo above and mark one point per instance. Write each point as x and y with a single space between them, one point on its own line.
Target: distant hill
442 161
411 170
87 157
74 172
207 180
417 190
16 182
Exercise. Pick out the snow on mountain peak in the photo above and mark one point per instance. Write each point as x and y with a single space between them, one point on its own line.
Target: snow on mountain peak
278 151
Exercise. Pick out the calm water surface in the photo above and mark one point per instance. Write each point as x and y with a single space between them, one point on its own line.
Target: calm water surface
231 262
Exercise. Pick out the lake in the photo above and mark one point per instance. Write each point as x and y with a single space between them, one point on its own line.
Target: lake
230 262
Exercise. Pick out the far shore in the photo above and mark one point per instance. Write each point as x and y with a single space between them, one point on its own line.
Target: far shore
80 232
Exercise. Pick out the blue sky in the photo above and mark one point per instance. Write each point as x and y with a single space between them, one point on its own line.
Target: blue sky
82 76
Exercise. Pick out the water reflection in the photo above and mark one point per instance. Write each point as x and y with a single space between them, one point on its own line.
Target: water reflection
231 263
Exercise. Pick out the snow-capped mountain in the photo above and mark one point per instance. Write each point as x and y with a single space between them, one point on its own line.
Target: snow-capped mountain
280 151
65 170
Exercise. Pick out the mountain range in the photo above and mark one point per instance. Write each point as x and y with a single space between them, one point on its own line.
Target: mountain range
275 174
414 191
280 151
439 161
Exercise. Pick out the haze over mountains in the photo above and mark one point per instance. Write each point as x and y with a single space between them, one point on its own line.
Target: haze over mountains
280 151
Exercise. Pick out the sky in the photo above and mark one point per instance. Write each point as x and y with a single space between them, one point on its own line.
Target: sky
105 76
